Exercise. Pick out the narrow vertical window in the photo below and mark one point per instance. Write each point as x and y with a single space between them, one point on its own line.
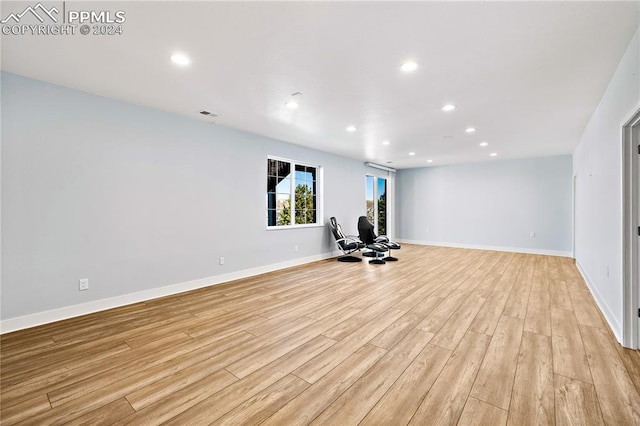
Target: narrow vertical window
376 203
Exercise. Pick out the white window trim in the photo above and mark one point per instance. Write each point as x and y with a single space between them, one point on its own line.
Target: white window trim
319 195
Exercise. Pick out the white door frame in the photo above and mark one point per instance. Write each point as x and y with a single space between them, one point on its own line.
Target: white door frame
573 219
630 245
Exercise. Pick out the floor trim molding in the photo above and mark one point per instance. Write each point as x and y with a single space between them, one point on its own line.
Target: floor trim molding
560 253
53 315
614 325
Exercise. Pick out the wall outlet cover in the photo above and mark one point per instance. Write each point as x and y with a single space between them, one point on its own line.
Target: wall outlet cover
83 284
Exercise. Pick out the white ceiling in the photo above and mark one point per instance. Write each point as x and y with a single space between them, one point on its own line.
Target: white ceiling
527 75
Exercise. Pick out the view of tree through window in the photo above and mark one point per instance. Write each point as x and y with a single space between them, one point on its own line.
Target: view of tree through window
376 203
287 192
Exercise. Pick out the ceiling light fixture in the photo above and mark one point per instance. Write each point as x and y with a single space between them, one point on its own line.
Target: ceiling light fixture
470 129
412 153
449 107
292 105
386 143
351 129
409 66
494 154
180 59
429 161
483 144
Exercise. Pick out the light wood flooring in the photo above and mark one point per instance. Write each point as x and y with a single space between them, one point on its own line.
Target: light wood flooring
444 336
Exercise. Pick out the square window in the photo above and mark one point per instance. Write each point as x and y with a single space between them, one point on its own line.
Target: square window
292 198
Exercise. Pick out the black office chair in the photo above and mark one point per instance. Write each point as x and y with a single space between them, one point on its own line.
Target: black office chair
347 244
368 236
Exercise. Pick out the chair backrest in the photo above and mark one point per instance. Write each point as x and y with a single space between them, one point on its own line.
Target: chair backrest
365 230
336 230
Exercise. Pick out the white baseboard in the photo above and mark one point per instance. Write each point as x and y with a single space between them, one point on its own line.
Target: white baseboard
494 248
40 318
602 305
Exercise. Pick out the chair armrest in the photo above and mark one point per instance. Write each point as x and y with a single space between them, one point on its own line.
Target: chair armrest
382 239
348 239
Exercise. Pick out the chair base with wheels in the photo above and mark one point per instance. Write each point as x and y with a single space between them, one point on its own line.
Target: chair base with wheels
346 244
349 259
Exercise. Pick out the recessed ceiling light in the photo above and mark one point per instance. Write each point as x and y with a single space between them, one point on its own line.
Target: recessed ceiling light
292 104
409 66
386 143
449 107
429 161
494 154
180 59
483 144
412 153
470 129
351 129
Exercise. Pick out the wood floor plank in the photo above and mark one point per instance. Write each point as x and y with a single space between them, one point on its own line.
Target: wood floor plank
320 365
42 378
559 295
340 344
105 415
306 406
566 339
455 328
87 401
261 406
631 360
478 413
585 309
495 378
24 410
487 319
619 399
576 403
445 400
391 335
508 278
518 300
353 405
538 317
402 400
247 365
540 278
532 398
555 269
202 403
149 368
492 276
182 379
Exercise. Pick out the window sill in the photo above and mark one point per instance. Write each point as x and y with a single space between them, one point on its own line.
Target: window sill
278 228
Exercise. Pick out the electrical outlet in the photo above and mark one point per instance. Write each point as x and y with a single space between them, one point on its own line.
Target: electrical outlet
532 234
83 284
427 229
222 260
295 248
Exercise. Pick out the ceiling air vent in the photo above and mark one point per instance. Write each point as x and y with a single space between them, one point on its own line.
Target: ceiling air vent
209 114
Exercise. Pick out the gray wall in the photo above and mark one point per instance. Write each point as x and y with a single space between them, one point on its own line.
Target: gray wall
491 204
597 166
136 199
